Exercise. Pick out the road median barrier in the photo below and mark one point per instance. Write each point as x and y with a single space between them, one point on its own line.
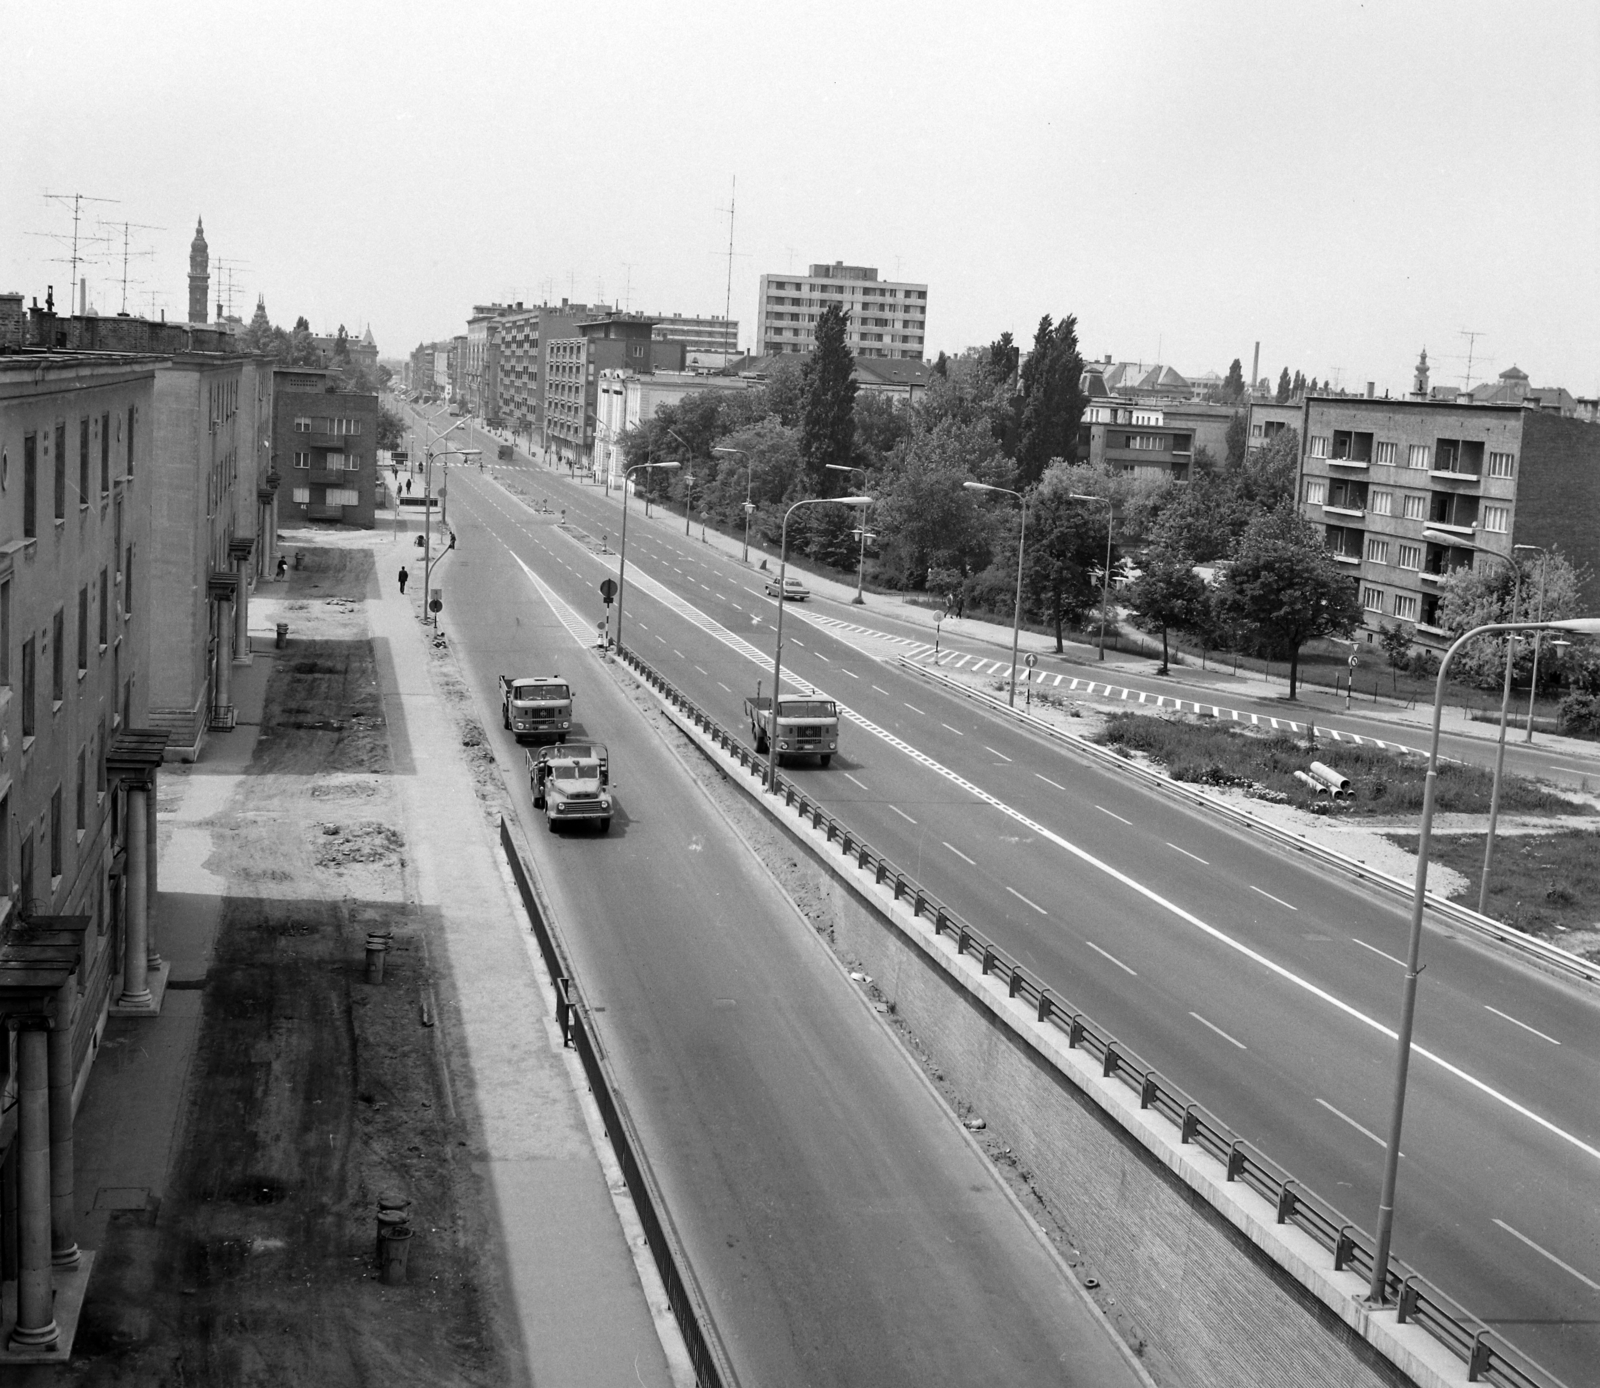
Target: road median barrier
1118 1147
1550 958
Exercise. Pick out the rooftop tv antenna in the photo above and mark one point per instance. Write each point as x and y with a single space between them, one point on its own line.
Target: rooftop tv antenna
1472 342
79 239
227 273
127 254
627 292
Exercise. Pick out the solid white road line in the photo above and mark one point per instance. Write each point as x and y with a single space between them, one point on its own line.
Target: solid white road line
1565 1267
851 673
956 851
1049 782
849 777
1220 1032
914 708
1113 958
1188 854
1365 1132
1024 900
1514 1022
881 691
1001 755
1117 817
903 815
721 685
1269 896
956 731
1376 950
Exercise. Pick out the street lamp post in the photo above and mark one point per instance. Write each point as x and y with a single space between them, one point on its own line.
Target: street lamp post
688 501
777 649
1533 679
1105 577
622 563
1587 626
1500 742
861 562
1016 614
748 508
429 619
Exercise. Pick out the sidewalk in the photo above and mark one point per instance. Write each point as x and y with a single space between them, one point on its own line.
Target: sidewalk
560 1245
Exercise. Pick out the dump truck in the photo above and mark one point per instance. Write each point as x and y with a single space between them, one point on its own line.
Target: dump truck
571 782
505 453
806 725
535 706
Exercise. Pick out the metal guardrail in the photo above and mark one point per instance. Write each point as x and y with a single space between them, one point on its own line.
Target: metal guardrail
712 1367
1488 1356
1550 957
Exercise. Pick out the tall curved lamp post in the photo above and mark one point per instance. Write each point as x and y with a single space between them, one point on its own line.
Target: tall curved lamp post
622 563
1105 576
1538 616
1586 626
777 649
428 618
1016 615
748 508
1510 561
861 562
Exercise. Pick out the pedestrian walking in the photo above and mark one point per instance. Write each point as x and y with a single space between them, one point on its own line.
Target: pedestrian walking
452 539
403 577
283 566
408 486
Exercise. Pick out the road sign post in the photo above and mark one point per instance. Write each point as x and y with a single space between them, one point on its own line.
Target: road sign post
939 619
1030 660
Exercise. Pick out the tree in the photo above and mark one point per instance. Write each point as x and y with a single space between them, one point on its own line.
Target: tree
1285 385
1472 597
391 428
1233 383
924 518
828 400
1063 545
1053 401
1269 475
1238 437
1168 594
941 365
1283 588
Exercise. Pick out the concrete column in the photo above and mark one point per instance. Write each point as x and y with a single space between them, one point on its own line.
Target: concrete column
151 844
63 1219
241 614
135 936
224 681
36 1322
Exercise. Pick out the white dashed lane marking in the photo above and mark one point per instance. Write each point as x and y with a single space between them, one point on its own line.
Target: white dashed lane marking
1269 896
1220 1032
1019 896
1113 958
960 854
1046 779
1117 817
903 815
1514 1022
1188 854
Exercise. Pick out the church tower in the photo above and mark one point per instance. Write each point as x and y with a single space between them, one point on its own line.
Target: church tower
199 274
1419 387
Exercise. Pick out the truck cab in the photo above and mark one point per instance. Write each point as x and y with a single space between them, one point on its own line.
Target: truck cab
570 782
805 725
535 706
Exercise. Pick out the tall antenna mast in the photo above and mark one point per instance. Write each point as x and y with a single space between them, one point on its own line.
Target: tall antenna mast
1472 342
727 301
627 292
75 258
126 253
226 271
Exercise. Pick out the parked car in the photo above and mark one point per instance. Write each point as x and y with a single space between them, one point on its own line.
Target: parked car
793 589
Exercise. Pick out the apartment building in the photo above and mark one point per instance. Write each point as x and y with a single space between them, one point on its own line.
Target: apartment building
482 370
1268 419
573 366
77 780
1151 438
888 318
1408 490
625 399
525 335
324 443
708 343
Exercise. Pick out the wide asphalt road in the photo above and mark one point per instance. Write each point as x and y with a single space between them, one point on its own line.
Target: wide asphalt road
844 1228
1265 988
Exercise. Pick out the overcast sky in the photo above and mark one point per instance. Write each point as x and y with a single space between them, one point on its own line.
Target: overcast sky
1342 182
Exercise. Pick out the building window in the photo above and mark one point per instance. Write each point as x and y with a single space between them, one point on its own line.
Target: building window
301 496
302 460
105 604
1255 431
1418 456
1415 506
56 864
5 633
1497 519
1382 503
1316 491
127 583
1410 556
1378 551
343 496
83 461
29 690
1385 453
30 485
132 416
1319 445
81 804
58 657
105 452
83 628
1405 606
61 472
1372 599
1499 465
1147 443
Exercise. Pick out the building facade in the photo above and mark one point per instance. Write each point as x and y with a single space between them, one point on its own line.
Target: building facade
888 318
1408 490
573 366
1151 437
708 343
624 400
324 447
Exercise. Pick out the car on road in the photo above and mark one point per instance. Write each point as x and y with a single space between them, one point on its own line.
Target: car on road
793 589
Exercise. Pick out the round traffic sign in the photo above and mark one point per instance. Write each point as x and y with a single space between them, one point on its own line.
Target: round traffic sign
434 605
1030 660
608 589
940 618
1353 662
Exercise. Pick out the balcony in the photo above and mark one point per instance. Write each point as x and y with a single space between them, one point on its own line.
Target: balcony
1362 463
1358 512
1447 533
1340 558
1451 475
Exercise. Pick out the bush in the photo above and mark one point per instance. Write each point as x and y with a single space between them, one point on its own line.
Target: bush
1579 714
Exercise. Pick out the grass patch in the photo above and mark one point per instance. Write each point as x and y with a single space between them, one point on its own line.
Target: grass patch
1383 783
1540 884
